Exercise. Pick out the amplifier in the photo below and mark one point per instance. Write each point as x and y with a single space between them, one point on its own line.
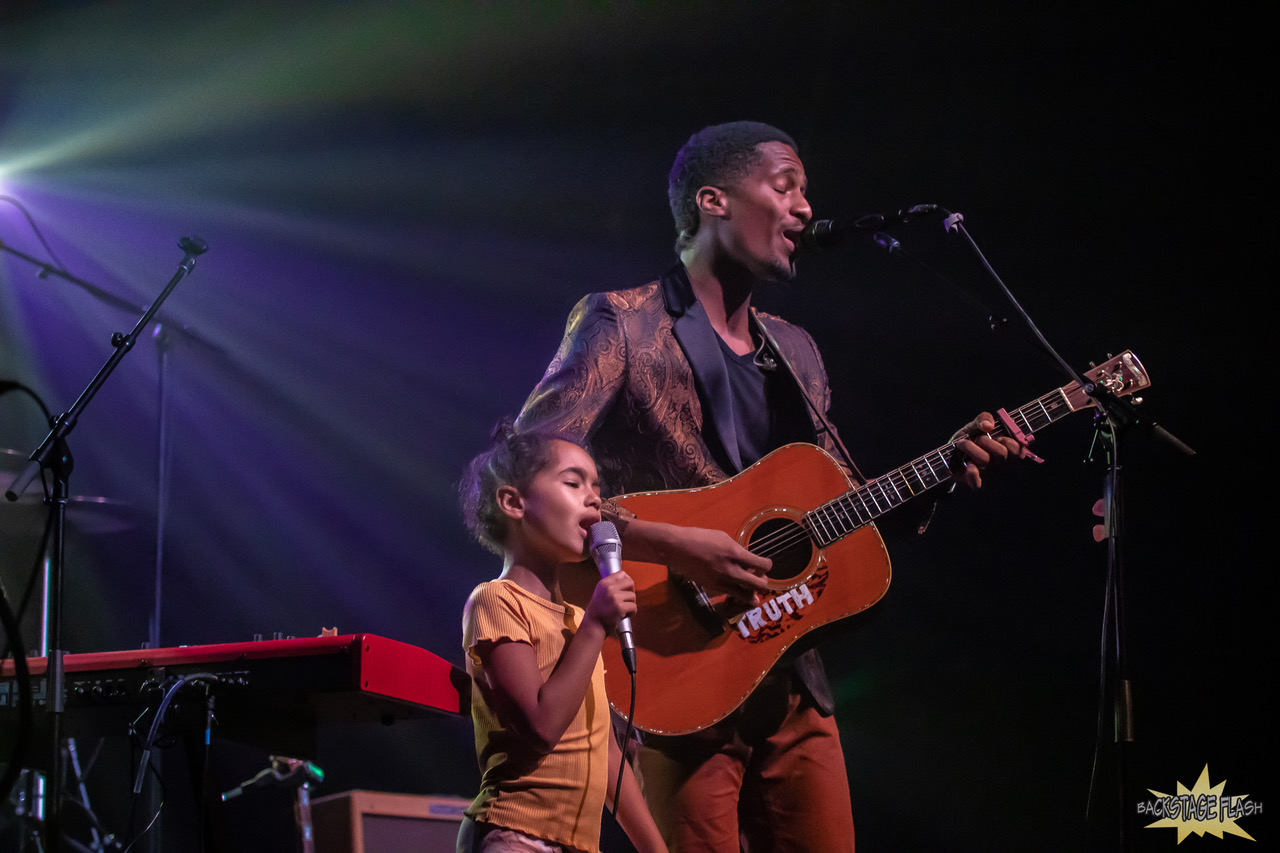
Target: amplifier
374 822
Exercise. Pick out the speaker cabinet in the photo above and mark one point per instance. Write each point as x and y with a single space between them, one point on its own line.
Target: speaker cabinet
374 822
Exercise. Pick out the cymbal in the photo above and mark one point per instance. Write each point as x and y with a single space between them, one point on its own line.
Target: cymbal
12 460
29 513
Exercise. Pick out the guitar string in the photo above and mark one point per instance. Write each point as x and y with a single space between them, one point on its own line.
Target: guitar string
836 511
836 514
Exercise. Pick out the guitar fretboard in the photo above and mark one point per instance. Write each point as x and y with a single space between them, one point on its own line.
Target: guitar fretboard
857 508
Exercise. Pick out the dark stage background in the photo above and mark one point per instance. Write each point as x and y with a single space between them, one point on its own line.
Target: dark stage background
402 202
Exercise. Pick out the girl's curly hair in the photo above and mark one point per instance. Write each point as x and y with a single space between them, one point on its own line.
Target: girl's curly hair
513 459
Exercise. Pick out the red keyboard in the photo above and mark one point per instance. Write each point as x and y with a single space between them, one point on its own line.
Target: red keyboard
270 692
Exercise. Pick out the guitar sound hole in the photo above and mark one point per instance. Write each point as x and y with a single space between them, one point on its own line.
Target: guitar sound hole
786 543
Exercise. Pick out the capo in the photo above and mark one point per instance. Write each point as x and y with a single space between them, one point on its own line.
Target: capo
1023 438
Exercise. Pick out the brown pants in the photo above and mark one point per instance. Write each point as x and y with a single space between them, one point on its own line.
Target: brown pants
770 778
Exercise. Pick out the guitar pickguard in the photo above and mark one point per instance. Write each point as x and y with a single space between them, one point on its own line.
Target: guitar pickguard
780 613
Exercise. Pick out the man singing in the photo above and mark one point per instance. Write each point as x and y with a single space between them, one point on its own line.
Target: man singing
680 383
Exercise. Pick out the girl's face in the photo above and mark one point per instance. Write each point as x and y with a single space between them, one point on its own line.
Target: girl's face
561 503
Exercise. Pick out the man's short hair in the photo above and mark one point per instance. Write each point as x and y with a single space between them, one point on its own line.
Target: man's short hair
714 156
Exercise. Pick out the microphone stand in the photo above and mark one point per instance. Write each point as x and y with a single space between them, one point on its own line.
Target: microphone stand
1118 415
54 455
165 335
164 342
47 270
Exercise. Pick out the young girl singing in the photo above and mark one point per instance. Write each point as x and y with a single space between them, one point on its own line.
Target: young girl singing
543 738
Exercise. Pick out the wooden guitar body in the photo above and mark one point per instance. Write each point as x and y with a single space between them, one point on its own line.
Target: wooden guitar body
694 666
699 658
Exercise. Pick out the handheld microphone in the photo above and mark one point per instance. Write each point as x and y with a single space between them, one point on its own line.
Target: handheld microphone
606 550
827 233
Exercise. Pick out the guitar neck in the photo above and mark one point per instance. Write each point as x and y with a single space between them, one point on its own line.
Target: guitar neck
862 505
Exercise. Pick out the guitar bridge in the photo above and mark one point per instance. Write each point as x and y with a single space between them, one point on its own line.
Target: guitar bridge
704 612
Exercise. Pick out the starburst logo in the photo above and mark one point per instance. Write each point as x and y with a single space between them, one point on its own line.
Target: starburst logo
1203 809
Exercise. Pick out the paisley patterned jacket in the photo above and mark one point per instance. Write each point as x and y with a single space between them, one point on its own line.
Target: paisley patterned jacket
625 384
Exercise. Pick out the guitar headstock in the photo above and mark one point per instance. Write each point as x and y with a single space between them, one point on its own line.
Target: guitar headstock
1122 376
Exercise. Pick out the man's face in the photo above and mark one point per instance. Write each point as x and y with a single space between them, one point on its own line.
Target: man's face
766 210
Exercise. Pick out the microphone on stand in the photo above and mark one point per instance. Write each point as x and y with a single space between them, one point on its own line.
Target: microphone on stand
283 773
827 233
606 550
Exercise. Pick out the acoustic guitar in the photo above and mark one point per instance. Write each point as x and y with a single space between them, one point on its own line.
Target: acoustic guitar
700 656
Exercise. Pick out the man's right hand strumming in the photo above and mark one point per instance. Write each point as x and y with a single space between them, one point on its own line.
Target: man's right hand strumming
710 558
